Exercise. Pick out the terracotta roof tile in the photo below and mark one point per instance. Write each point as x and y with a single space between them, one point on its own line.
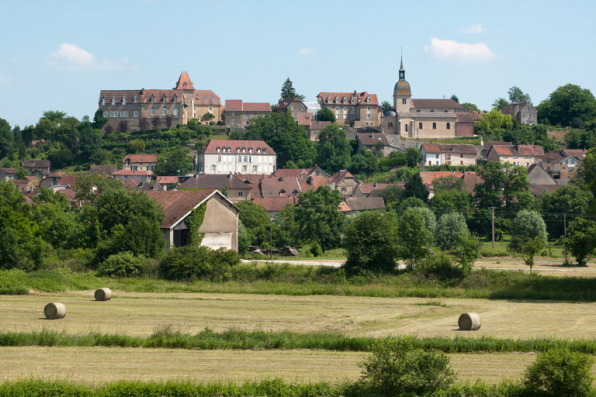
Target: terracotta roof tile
435 104
132 173
359 98
184 82
167 180
177 204
236 105
140 158
275 204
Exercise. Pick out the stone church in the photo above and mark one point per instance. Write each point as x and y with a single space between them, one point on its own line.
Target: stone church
425 118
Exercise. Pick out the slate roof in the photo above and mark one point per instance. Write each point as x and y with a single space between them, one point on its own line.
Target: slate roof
435 104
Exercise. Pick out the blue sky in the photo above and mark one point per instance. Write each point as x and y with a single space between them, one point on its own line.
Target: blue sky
58 55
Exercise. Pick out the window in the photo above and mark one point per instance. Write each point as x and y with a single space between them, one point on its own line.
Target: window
368 116
390 125
406 127
448 126
134 168
419 126
105 114
515 157
505 157
175 111
239 194
445 110
404 101
121 114
152 111
432 110
152 98
210 108
205 99
219 158
135 114
345 115
434 126
126 114
124 100
448 156
163 111
149 168
103 101
134 99
417 110
246 159
239 159
175 99
337 108
302 108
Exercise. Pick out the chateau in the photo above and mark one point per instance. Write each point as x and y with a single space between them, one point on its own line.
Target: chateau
133 110
425 118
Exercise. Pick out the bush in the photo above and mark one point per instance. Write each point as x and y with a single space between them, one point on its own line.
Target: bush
560 373
392 370
122 264
442 266
198 263
315 249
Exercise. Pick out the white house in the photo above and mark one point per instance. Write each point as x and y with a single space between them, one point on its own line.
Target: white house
439 154
242 157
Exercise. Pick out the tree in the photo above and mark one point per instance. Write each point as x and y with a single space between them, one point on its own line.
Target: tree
6 139
175 162
372 243
385 106
286 230
415 188
99 120
90 140
451 200
455 98
526 226
531 248
364 163
500 103
135 146
326 114
430 221
413 157
333 149
392 370
91 185
466 252
288 91
581 240
61 158
565 200
494 120
207 117
516 95
569 105
318 216
450 228
501 183
414 237
472 108
256 221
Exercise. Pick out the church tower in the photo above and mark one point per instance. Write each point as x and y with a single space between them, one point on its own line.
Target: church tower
402 93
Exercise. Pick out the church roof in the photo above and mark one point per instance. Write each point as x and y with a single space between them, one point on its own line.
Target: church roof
402 87
435 104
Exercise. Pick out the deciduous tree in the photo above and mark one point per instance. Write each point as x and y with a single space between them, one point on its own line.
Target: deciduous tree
333 149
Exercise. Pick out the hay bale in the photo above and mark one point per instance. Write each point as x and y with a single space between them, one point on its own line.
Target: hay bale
54 311
103 294
469 322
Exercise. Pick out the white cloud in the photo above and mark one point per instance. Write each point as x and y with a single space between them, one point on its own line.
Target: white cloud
5 80
449 49
73 58
306 51
473 29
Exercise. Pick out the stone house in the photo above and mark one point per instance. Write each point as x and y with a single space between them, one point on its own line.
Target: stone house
298 109
207 101
359 109
59 180
345 182
230 156
108 169
139 177
563 164
524 113
315 129
238 113
24 185
301 173
8 174
439 154
140 162
220 224
539 176
237 189
38 168
524 155
355 205
374 141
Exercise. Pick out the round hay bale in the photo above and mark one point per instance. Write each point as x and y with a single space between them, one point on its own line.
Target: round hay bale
469 322
54 311
103 294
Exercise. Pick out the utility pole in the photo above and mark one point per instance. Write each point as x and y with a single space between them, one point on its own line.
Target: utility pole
565 234
493 231
270 239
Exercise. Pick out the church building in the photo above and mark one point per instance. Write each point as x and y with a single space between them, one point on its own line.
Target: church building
425 118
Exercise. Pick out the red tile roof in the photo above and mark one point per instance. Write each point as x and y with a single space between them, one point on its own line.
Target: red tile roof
184 82
132 173
207 97
234 146
340 175
429 176
236 105
275 204
9 170
367 188
359 98
519 150
130 183
167 179
577 153
140 158
33 179
435 104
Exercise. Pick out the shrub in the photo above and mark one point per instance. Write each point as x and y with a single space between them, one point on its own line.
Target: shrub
393 371
197 263
315 249
441 265
560 373
122 264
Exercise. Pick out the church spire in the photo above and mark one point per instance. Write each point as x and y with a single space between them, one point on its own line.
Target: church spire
401 64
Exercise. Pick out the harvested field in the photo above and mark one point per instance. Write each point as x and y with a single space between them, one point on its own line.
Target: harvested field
100 365
141 314
543 266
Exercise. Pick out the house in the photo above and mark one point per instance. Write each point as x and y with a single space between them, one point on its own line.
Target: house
297 108
315 129
274 205
139 162
523 155
373 141
8 174
280 187
539 176
365 189
139 177
24 185
38 168
238 113
439 154
220 224
301 172
237 189
563 164
59 180
486 146
359 109
166 181
229 156
345 182
102 169
524 113
355 205
133 110
428 177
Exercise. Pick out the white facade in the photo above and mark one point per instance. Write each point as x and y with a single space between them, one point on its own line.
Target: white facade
241 163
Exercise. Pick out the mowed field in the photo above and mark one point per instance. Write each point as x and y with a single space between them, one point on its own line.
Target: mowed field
140 314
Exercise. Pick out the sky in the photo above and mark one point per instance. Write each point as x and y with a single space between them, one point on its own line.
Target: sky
58 55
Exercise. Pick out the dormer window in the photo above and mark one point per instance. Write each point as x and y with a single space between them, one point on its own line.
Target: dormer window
250 150
165 98
124 100
344 100
175 98
113 100
152 98
103 101
264 150
243 150
258 150
237 150
134 99
218 150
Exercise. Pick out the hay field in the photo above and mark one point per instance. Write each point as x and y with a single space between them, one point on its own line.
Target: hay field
101 364
543 266
140 314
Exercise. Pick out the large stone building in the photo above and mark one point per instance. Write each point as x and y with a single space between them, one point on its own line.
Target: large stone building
425 118
359 109
524 113
237 113
242 157
133 110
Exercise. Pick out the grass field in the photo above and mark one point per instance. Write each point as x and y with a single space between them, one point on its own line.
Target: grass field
100 365
139 314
